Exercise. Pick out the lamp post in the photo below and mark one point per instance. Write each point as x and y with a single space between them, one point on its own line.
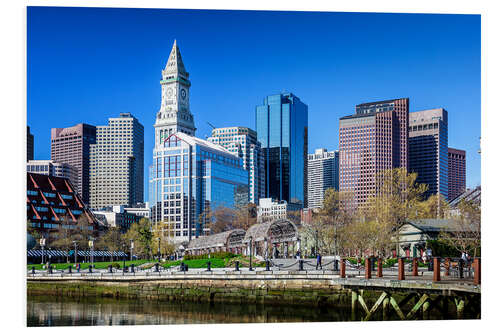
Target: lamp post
251 269
159 239
42 244
131 248
91 246
76 256
124 256
317 249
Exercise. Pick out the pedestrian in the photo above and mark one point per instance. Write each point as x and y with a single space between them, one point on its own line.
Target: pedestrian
318 261
424 257
464 257
297 255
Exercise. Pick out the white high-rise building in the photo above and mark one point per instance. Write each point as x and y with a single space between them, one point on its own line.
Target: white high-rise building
322 173
51 168
270 210
117 163
242 142
174 114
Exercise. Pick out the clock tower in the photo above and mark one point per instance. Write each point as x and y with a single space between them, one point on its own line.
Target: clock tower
174 115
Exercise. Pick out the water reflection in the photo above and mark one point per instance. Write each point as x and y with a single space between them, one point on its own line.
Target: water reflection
66 311
50 311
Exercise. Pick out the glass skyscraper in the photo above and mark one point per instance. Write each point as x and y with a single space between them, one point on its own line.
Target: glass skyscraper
428 149
242 142
188 178
281 124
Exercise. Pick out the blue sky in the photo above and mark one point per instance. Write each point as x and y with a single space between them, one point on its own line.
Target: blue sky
89 64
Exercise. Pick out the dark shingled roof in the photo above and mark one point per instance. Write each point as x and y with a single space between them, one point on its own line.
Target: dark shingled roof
435 225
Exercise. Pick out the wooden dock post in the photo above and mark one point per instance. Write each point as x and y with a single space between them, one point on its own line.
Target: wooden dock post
368 268
401 269
437 270
477 271
342 268
379 267
415 267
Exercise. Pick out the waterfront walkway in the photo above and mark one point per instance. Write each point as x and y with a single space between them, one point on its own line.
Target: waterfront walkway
279 284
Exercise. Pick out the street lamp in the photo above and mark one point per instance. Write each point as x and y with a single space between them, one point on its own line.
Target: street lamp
250 269
124 256
91 246
74 243
317 249
131 248
42 244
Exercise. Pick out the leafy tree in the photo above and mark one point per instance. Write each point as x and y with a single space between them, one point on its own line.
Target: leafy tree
142 235
163 236
357 235
397 198
435 207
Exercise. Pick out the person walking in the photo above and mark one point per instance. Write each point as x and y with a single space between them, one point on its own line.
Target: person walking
318 261
424 257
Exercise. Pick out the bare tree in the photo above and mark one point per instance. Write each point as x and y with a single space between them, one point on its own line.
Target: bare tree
112 240
464 233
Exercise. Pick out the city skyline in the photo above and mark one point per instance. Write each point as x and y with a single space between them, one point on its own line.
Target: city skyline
139 91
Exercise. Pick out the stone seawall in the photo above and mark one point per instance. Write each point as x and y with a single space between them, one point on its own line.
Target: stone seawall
238 291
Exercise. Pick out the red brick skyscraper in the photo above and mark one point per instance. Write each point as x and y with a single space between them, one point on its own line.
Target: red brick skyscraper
72 145
456 173
372 140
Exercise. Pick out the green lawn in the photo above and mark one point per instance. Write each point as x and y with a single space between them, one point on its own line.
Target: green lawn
197 263
99 265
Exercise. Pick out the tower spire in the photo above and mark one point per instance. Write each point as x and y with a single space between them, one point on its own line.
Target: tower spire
175 63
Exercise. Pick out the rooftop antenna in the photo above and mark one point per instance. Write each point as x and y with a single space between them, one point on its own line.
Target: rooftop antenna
213 127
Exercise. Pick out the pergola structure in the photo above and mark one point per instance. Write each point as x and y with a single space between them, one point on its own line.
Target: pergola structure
260 237
230 241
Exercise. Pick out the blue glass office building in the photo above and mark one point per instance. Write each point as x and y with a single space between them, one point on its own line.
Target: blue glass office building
281 124
188 177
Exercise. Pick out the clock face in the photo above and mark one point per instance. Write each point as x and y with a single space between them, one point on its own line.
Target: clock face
169 92
183 93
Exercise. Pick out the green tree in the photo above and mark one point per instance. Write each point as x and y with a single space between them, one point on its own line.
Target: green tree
163 236
435 207
142 235
398 197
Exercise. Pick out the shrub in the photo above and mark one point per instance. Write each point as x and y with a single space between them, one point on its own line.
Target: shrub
441 249
215 255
